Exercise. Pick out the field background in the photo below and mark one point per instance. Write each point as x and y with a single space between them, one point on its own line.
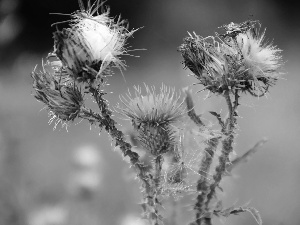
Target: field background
37 164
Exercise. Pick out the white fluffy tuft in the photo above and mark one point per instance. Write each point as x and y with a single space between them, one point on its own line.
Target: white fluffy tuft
259 58
104 43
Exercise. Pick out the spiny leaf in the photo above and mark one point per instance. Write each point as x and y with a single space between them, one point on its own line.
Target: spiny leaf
245 157
254 212
190 107
219 118
235 211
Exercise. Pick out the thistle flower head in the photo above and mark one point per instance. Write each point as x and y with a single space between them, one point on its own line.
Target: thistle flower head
63 100
92 41
154 117
155 109
208 59
237 60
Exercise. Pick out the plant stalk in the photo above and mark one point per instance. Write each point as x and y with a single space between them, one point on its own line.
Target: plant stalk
227 145
203 182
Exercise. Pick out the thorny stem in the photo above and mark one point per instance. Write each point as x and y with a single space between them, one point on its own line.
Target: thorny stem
232 110
158 160
226 146
105 121
118 136
203 184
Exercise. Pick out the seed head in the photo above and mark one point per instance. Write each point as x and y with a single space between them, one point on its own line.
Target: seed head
63 100
92 41
261 61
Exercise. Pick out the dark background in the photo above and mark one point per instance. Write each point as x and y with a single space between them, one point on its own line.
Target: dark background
36 162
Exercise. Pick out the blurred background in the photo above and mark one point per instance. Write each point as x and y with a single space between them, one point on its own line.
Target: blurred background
57 177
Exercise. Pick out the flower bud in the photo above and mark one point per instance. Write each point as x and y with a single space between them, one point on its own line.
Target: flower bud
63 100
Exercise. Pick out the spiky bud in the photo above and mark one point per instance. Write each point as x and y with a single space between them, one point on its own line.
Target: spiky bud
154 117
63 100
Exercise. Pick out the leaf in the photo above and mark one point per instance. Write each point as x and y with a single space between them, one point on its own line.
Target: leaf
254 212
219 118
235 211
190 107
245 157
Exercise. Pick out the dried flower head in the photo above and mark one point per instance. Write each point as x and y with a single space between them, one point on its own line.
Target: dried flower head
92 42
261 61
63 100
209 61
154 117
237 60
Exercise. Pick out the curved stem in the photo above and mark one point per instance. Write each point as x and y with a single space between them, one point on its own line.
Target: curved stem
203 184
105 121
149 183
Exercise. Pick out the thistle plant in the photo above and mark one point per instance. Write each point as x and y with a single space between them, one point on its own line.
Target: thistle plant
164 124
229 65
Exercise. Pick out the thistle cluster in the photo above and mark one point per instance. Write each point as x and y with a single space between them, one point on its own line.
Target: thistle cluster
237 60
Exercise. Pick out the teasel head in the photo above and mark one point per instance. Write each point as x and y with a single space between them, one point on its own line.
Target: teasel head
93 44
63 100
237 60
155 117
